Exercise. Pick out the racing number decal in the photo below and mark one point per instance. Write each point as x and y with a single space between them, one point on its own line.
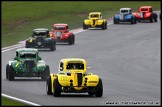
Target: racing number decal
17 64
64 78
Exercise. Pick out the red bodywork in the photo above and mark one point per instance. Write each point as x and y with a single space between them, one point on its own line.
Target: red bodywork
60 32
145 12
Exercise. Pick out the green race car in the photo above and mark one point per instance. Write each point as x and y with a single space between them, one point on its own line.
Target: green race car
27 63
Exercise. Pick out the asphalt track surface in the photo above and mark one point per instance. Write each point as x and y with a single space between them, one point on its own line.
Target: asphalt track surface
126 57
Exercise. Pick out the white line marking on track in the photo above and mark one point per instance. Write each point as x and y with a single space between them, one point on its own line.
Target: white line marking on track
11 48
20 100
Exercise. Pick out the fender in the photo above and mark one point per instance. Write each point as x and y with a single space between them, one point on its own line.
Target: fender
87 22
53 76
117 16
146 15
100 21
92 80
66 35
136 15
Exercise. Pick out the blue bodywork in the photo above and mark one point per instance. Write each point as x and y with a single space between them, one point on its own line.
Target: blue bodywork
126 17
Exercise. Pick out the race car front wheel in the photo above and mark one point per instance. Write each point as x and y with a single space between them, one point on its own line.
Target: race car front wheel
85 26
48 86
7 67
99 89
10 73
56 88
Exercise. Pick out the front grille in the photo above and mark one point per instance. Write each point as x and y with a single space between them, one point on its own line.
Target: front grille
79 76
39 39
29 65
94 22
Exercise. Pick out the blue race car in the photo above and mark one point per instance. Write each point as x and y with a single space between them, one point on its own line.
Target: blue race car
125 15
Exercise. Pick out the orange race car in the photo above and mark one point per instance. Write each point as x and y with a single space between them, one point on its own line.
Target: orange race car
146 13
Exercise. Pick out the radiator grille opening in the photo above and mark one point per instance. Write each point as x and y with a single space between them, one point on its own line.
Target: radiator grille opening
79 76
29 65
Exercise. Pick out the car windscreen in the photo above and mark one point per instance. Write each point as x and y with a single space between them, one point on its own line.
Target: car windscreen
144 9
124 11
59 27
40 34
75 66
28 55
94 15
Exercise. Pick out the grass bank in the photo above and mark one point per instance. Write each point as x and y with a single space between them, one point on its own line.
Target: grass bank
8 102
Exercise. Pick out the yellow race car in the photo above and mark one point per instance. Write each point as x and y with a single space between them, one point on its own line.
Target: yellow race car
73 78
95 21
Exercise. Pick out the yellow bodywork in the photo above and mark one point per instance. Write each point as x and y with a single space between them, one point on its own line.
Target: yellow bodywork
66 76
94 19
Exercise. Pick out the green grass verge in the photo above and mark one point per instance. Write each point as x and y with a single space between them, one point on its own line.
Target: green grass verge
19 18
8 102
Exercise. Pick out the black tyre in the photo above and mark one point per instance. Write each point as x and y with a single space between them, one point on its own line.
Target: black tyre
57 88
27 44
135 21
155 17
48 86
7 70
132 21
103 26
151 19
53 45
114 20
73 40
70 41
85 26
46 73
10 73
106 25
99 89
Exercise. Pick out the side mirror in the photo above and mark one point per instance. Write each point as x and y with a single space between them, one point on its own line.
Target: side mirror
39 58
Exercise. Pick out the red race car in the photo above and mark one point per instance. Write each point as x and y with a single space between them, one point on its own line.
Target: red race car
61 34
146 13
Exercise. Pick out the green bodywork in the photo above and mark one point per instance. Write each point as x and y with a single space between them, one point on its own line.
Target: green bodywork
27 54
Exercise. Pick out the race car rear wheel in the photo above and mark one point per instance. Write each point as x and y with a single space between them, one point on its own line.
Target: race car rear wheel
151 18
48 86
99 89
56 88
46 73
27 44
10 73
7 68
71 40
53 45
114 20
105 25
132 21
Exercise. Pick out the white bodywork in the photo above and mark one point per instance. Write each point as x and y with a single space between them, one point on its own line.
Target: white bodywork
124 11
